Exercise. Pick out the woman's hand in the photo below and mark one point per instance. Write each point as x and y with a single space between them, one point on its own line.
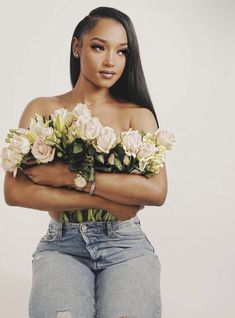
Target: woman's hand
56 174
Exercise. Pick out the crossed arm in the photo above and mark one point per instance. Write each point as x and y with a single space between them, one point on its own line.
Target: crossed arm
46 187
119 187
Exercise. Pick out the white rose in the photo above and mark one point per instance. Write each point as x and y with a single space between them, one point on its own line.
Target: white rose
146 151
131 141
41 151
36 125
106 140
47 131
20 143
81 110
88 127
10 159
165 138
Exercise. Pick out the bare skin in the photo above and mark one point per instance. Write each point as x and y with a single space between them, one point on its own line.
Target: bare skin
123 195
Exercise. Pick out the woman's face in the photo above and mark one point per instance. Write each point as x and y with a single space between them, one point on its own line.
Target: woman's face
104 48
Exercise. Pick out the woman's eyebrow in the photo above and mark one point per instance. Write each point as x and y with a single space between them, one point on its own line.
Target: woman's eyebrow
104 41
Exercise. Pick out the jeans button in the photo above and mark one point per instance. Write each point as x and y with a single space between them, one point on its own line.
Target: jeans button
84 227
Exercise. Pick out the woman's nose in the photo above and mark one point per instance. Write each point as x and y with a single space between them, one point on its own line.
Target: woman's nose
109 59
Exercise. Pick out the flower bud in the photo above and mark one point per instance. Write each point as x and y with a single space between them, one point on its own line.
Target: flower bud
58 134
111 159
126 160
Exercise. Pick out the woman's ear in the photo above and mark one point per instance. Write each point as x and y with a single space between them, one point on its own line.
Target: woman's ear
76 47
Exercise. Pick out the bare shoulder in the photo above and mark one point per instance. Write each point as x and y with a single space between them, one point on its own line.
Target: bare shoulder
142 118
39 105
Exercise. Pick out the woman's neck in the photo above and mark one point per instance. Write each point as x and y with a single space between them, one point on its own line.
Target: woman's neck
87 93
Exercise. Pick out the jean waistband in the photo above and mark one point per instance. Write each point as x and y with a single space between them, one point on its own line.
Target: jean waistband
114 224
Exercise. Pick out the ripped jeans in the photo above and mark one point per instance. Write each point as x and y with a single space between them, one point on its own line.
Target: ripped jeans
105 269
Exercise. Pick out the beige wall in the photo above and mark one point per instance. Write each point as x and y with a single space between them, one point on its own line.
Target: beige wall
188 58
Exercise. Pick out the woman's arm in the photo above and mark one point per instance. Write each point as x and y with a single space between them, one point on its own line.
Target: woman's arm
130 188
21 191
119 187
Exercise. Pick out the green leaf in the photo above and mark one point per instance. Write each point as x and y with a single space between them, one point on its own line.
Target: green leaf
91 151
64 142
77 148
100 158
104 169
119 151
60 148
118 164
142 133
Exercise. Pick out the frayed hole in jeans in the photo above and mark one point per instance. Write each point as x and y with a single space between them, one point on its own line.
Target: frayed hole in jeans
64 314
128 317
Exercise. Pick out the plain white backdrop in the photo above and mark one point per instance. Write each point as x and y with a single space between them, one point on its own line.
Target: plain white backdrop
187 52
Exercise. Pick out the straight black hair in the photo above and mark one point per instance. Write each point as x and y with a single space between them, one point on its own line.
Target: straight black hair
131 86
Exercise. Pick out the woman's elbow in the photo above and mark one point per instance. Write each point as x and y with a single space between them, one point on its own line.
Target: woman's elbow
9 197
159 196
10 191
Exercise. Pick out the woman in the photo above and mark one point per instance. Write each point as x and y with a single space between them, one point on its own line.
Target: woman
106 268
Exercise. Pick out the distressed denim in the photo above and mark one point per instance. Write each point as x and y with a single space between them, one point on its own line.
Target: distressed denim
105 269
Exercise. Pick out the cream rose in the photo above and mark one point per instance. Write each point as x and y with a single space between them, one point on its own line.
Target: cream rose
165 138
10 159
146 151
88 127
41 151
47 131
20 143
131 141
81 110
106 140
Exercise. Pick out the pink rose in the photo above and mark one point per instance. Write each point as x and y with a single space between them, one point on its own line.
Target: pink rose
41 151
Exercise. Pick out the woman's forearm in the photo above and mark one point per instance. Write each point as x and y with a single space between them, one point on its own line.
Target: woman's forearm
125 188
21 191
128 188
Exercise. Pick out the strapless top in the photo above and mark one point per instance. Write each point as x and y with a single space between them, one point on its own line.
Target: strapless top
86 215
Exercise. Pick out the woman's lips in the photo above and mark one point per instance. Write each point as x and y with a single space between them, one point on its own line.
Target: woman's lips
106 75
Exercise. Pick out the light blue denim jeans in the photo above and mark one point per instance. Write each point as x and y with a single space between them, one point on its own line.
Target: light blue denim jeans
105 269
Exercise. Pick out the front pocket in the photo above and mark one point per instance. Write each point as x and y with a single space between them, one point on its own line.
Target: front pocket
54 233
129 232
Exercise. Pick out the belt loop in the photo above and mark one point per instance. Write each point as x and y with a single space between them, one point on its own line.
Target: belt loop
109 228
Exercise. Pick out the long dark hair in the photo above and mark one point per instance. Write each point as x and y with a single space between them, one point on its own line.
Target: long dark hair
131 86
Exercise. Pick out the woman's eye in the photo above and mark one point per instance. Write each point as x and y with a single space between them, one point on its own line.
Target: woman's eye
124 51
100 47
97 46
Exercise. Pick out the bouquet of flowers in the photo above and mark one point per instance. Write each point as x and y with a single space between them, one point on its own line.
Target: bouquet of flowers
81 141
